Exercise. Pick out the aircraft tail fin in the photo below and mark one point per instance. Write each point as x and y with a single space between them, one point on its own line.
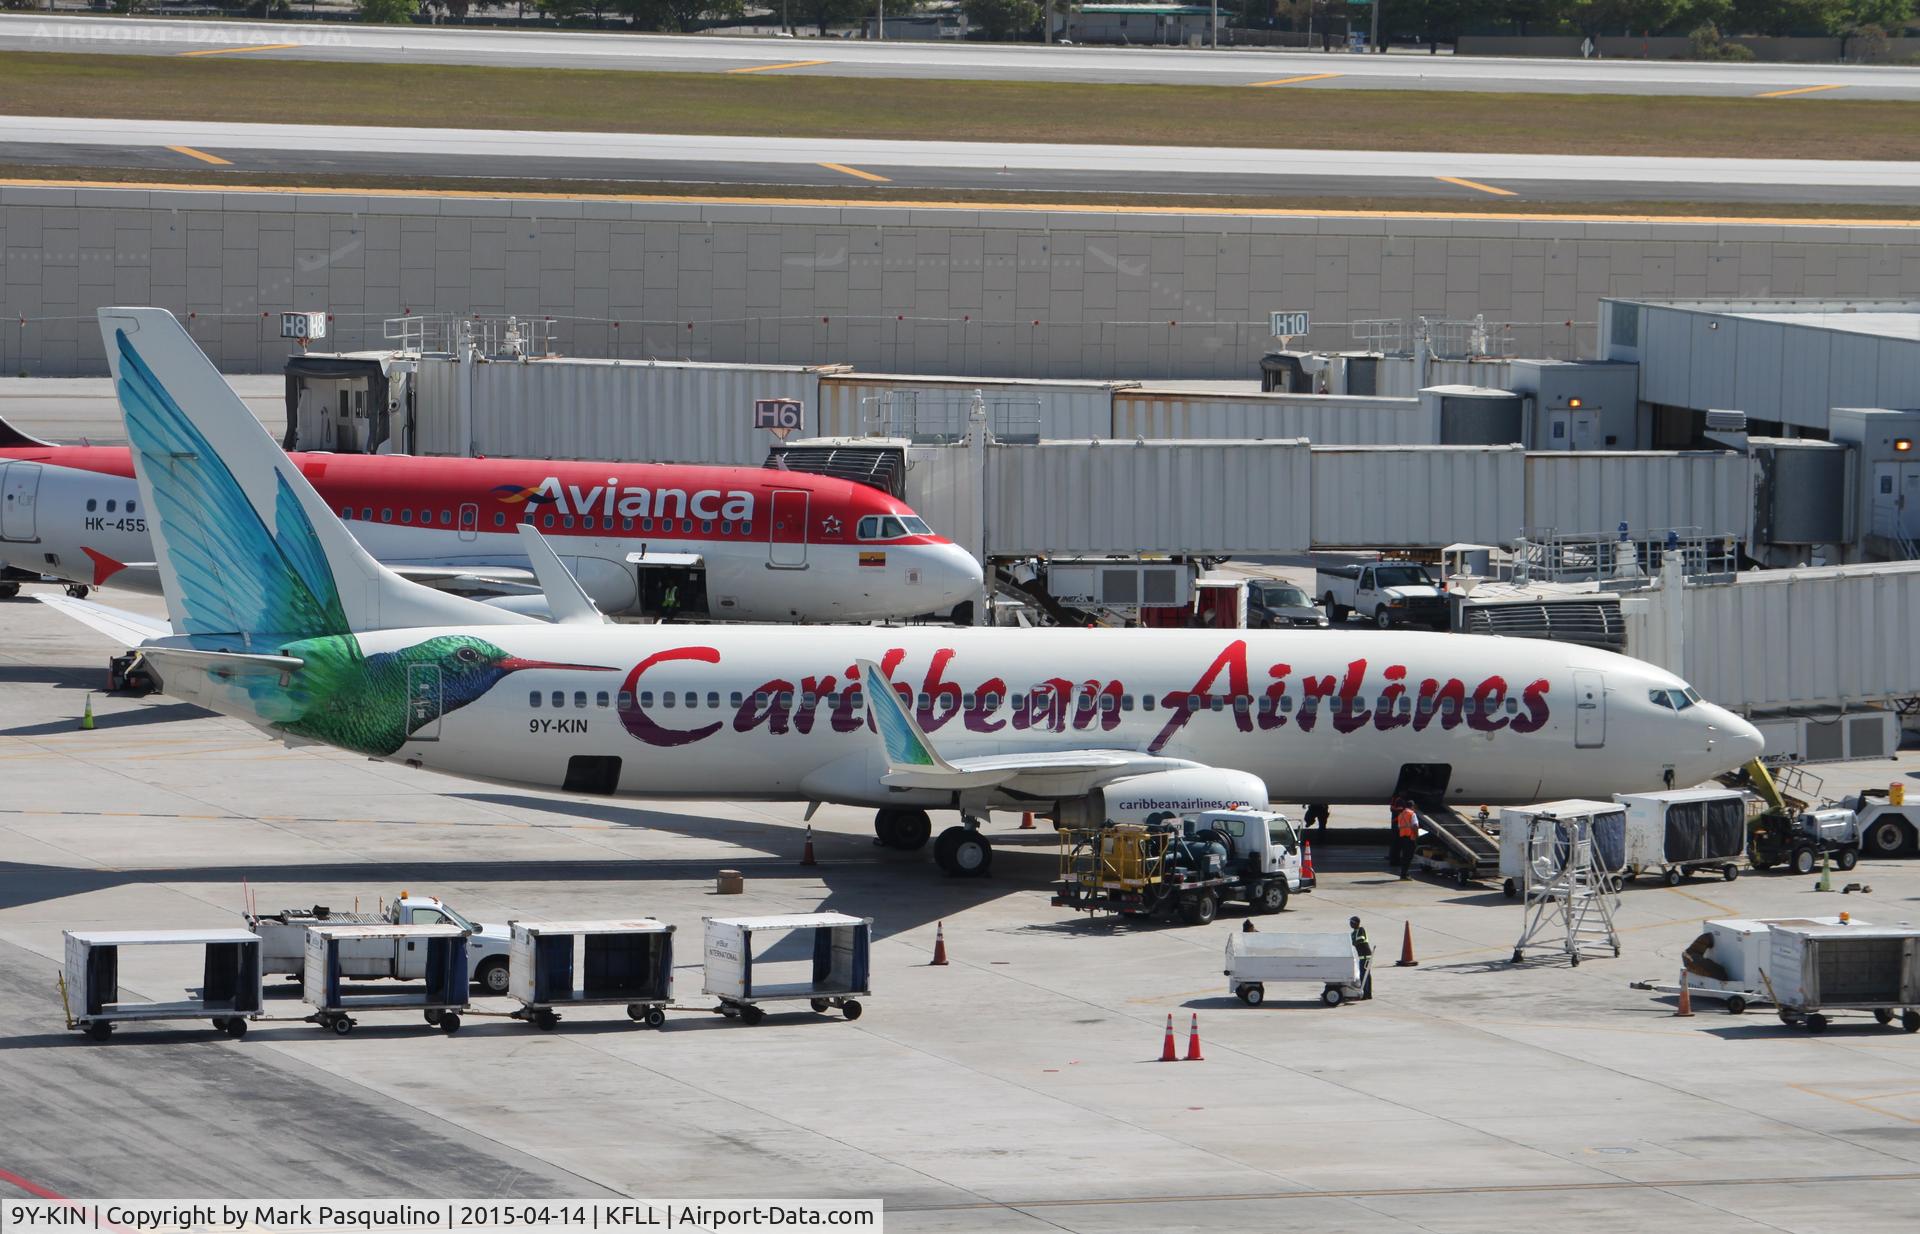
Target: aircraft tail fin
246 548
12 438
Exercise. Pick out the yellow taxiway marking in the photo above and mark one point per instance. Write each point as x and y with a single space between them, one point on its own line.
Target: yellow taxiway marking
1780 94
1294 81
202 155
1863 1103
856 173
769 68
234 51
1057 207
1475 184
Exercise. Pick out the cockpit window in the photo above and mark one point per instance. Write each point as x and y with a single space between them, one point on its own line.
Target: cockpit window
1675 700
890 527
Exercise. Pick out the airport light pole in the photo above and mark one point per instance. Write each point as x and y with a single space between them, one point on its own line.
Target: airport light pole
1213 26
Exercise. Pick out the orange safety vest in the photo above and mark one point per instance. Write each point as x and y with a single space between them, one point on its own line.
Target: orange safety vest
1405 824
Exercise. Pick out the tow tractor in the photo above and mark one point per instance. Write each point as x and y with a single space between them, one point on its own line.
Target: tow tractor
1790 830
1184 865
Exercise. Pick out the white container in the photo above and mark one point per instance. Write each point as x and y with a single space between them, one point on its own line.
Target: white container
1676 831
433 955
901 404
1323 419
611 410
839 945
1816 965
229 971
1391 497
1583 493
1518 825
1319 958
1212 497
555 964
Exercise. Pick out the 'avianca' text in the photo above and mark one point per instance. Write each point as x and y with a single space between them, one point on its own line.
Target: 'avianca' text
1344 700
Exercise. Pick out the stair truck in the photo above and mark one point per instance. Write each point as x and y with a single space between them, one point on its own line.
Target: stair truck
283 940
1182 866
560 964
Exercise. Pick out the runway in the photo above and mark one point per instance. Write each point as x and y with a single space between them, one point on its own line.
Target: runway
932 166
969 61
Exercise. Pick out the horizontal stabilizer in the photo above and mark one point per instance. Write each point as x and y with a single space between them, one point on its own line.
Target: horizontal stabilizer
124 628
224 664
567 601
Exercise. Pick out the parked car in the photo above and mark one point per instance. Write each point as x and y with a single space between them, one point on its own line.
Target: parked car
1279 606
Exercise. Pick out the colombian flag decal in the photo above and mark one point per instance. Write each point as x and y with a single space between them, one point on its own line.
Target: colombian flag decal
873 559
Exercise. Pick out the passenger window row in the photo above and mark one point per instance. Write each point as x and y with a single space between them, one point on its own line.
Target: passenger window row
1108 704
93 504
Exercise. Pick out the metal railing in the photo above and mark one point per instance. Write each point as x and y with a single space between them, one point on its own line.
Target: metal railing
1552 557
926 417
1385 334
505 338
1467 339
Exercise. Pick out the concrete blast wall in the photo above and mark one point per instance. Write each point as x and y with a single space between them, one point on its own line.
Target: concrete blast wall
1060 294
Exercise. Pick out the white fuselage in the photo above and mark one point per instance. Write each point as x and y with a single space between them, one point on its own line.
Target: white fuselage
1318 716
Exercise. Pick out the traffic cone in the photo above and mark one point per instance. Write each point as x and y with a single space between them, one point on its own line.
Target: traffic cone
1306 864
1826 874
1406 949
1167 1053
1026 821
939 944
86 717
1193 1040
1686 996
806 853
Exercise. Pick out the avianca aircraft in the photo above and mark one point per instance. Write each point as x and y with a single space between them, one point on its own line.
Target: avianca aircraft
315 641
735 543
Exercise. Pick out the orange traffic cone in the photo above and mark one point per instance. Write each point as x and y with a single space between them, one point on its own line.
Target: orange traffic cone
1026 821
1193 1040
1406 950
806 853
1167 1053
939 944
1686 996
1306 865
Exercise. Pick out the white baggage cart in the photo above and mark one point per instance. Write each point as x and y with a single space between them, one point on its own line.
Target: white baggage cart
229 982
1815 968
739 978
556 964
1327 960
434 955
1675 833
1609 832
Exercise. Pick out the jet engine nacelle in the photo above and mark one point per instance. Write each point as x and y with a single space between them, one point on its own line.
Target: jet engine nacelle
1183 791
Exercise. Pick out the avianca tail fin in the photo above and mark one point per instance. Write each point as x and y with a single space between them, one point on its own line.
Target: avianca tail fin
12 438
247 550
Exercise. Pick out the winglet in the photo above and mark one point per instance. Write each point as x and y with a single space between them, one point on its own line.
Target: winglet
12 438
906 747
567 600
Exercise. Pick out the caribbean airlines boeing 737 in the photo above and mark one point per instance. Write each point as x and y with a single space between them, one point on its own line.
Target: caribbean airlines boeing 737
732 543
286 621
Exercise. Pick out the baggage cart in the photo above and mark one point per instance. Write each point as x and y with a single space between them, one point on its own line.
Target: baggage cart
557 964
1324 959
229 983
1521 860
434 954
739 978
1727 963
1675 833
1817 968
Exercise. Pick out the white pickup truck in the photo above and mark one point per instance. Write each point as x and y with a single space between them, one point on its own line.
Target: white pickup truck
1387 593
283 942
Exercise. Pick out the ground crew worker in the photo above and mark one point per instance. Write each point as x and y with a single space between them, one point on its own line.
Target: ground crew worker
1405 827
1364 949
670 602
1316 813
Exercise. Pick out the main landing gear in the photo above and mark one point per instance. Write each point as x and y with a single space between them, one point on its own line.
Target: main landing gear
961 852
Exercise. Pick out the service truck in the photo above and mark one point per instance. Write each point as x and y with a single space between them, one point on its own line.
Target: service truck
1182 865
283 942
1387 593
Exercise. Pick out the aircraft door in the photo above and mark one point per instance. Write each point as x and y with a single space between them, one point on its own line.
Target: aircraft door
788 529
19 489
423 702
469 522
1589 709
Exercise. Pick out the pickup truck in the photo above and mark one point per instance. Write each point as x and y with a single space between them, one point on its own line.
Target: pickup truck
1387 593
283 941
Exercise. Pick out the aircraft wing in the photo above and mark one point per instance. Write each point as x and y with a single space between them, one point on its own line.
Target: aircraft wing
127 629
912 762
469 579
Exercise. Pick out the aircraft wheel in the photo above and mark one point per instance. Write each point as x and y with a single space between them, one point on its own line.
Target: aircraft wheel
78 590
962 852
910 830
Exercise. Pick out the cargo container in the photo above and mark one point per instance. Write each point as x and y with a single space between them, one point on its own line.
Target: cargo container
556 964
930 408
1584 493
1326 959
611 410
1417 496
1518 851
1682 830
740 962
1325 420
334 951
229 979
1211 497
1815 968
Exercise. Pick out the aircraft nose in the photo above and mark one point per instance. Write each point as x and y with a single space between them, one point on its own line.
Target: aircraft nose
952 574
1742 740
